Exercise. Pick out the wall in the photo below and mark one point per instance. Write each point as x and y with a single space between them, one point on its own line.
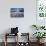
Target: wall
24 24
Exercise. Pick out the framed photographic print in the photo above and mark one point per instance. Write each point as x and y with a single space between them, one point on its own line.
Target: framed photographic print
41 12
17 12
